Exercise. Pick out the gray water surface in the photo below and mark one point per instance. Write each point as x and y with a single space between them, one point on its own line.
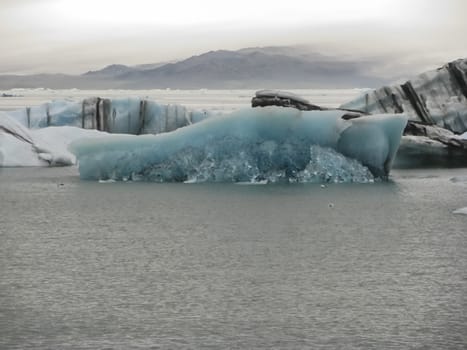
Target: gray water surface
86 265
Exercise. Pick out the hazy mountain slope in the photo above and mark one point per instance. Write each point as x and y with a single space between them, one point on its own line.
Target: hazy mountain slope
284 67
253 68
112 70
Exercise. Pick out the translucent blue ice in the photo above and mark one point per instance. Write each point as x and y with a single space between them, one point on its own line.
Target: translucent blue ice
251 145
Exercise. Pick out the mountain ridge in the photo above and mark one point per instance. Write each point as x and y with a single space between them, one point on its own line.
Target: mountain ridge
255 67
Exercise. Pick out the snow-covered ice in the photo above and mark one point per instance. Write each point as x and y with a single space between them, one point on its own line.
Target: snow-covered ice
22 147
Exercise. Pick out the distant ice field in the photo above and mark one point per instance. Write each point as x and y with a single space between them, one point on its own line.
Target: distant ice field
221 100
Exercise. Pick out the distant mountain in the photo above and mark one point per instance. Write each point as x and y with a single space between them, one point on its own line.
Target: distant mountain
147 66
267 67
115 70
110 71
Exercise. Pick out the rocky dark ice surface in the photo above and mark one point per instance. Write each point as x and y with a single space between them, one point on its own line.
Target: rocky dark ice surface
435 103
437 97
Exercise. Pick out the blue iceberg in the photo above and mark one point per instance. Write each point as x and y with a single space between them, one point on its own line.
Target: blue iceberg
267 144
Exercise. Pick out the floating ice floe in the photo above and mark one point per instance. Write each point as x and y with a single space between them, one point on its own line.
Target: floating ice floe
462 211
459 179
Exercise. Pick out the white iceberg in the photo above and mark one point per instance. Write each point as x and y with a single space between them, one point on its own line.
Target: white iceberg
22 147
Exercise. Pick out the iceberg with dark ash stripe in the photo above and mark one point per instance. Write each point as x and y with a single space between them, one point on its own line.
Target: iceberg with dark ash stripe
437 97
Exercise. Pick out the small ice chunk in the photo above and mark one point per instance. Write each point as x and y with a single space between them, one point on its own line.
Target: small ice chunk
456 179
462 211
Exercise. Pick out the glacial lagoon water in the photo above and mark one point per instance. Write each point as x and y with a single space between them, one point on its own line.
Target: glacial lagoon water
89 265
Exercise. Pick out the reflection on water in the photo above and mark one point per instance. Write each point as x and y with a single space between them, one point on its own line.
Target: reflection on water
139 265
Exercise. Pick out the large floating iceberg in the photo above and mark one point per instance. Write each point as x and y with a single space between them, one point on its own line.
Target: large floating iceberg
255 145
138 139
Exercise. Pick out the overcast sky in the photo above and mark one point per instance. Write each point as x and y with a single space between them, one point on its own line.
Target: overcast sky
74 36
